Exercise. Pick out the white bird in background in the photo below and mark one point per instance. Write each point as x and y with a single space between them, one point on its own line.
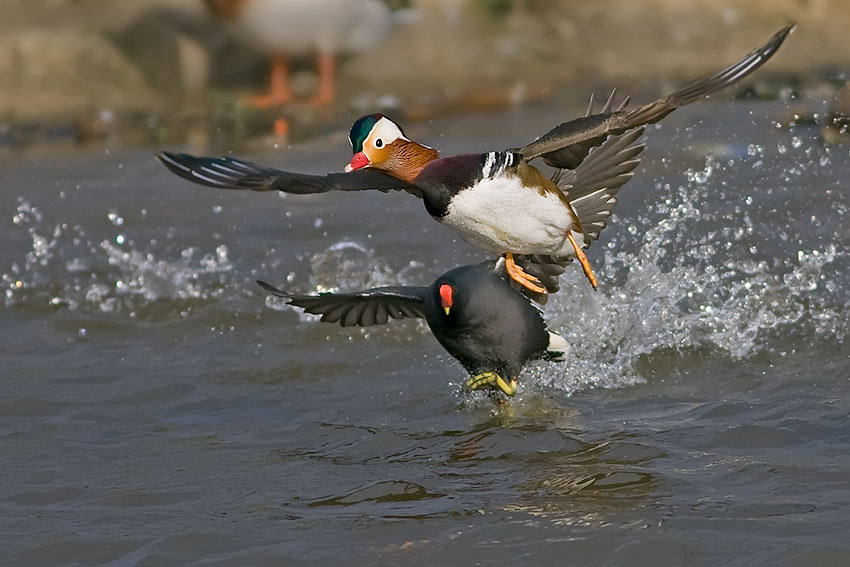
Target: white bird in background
286 28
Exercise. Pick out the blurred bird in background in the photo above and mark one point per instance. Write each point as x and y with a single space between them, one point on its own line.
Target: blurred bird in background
287 28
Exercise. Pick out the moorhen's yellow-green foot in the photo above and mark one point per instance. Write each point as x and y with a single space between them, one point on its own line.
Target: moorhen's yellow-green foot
474 311
491 380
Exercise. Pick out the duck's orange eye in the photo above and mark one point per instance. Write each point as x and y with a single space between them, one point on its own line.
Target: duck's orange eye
379 143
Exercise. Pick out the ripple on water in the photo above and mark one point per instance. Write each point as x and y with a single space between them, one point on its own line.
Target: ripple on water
308 440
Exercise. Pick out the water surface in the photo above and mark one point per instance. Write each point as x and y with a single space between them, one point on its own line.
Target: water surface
158 409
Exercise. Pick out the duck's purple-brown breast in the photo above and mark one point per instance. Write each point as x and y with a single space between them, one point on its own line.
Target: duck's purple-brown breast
443 178
455 173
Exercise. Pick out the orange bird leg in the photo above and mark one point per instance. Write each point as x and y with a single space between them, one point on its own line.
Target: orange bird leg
281 127
327 70
279 92
518 275
585 265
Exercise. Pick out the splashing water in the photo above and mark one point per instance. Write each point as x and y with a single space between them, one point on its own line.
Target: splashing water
346 266
349 266
64 266
696 281
737 259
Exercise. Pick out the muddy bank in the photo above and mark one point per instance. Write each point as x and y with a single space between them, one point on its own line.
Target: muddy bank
166 70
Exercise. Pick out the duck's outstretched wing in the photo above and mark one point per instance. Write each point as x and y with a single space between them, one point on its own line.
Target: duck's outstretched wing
566 145
362 308
592 186
230 173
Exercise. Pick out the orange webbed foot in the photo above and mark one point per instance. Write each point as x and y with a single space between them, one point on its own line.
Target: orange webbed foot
582 258
520 276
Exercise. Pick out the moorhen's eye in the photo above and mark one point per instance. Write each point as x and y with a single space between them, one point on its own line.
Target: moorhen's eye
379 143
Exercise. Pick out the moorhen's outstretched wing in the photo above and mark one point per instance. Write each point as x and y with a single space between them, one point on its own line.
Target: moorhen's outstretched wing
566 145
230 173
363 308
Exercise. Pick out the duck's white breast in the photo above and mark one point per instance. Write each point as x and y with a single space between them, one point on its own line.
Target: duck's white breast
500 214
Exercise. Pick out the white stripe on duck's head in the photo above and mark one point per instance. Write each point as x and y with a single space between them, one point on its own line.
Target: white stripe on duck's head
380 143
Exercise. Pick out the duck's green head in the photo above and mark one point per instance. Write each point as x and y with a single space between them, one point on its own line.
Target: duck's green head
373 139
380 143
361 129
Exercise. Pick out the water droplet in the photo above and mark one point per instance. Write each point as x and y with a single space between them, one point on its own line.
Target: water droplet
755 150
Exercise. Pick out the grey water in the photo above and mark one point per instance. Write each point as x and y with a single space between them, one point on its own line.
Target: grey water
158 409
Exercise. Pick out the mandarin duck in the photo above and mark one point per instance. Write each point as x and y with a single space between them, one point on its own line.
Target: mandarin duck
284 28
496 200
474 312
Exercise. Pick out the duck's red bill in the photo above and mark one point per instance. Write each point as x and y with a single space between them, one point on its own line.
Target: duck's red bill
358 160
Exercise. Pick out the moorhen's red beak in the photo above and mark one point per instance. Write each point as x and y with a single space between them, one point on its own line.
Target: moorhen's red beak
446 297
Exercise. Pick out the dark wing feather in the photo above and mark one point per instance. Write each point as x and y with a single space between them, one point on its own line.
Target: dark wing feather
566 145
592 186
230 173
362 308
575 153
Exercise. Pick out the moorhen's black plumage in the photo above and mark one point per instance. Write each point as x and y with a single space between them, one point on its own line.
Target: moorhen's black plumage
474 311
